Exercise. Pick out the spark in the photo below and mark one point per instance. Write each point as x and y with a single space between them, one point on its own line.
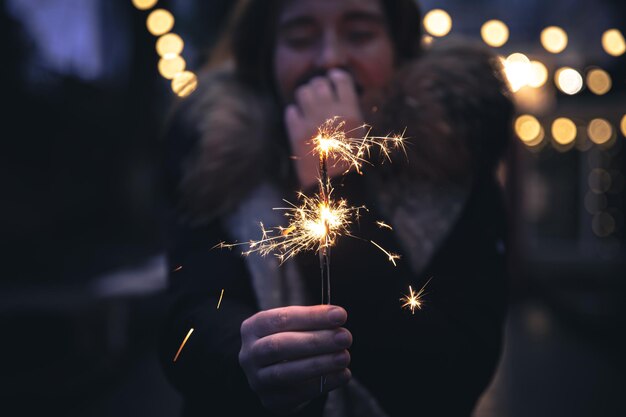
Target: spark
393 257
178 268
313 225
182 345
333 141
414 299
220 300
382 224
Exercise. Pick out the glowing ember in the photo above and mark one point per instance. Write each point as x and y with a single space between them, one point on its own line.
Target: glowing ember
383 225
182 345
393 257
414 299
220 300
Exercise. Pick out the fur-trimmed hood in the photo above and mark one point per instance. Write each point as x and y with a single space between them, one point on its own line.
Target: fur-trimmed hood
452 101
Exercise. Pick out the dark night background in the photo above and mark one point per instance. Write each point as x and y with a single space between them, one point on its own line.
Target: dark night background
83 271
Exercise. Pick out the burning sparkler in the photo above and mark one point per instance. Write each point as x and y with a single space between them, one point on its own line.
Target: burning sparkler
414 299
319 221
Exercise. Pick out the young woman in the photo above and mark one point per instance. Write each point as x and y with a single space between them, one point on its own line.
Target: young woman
239 146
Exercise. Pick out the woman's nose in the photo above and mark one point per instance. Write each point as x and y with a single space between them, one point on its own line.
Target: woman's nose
331 54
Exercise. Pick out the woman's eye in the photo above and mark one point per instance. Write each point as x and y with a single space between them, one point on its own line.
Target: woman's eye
299 42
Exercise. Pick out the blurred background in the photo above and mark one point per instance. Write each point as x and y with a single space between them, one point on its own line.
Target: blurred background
87 89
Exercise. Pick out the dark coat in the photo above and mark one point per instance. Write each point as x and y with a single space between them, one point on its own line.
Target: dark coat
444 204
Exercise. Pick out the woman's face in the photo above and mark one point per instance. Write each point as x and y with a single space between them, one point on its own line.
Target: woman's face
314 36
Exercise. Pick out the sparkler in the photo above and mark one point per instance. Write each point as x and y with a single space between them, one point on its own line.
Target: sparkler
414 299
319 220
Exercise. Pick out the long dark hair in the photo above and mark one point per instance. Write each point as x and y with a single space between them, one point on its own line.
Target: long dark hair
250 37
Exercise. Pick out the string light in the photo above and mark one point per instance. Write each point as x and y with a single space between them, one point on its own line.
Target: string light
599 181
538 74
568 80
599 81
527 128
159 22
600 131
603 224
554 39
184 83
517 68
613 42
438 22
144 4
564 131
495 33
170 66
169 45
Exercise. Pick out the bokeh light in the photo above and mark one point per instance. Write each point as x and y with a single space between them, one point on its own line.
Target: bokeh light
603 224
564 131
599 181
170 66
427 40
495 33
554 39
568 80
144 4
538 74
613 42
527 128
517 69
184 83
600 131
438 22
623 125
595 203
599 81
159 22
169 45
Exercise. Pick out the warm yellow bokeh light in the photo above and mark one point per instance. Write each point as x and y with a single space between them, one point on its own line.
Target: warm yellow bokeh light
427 40
623 125
170 66
613 42
495 33
600 131
184 83
599 81
159 22
438 22
554 39
169 45
568 80
527 128
517 69
538 74
564 131
144 4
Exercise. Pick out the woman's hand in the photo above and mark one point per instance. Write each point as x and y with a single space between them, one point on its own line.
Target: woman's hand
315 102
285 352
